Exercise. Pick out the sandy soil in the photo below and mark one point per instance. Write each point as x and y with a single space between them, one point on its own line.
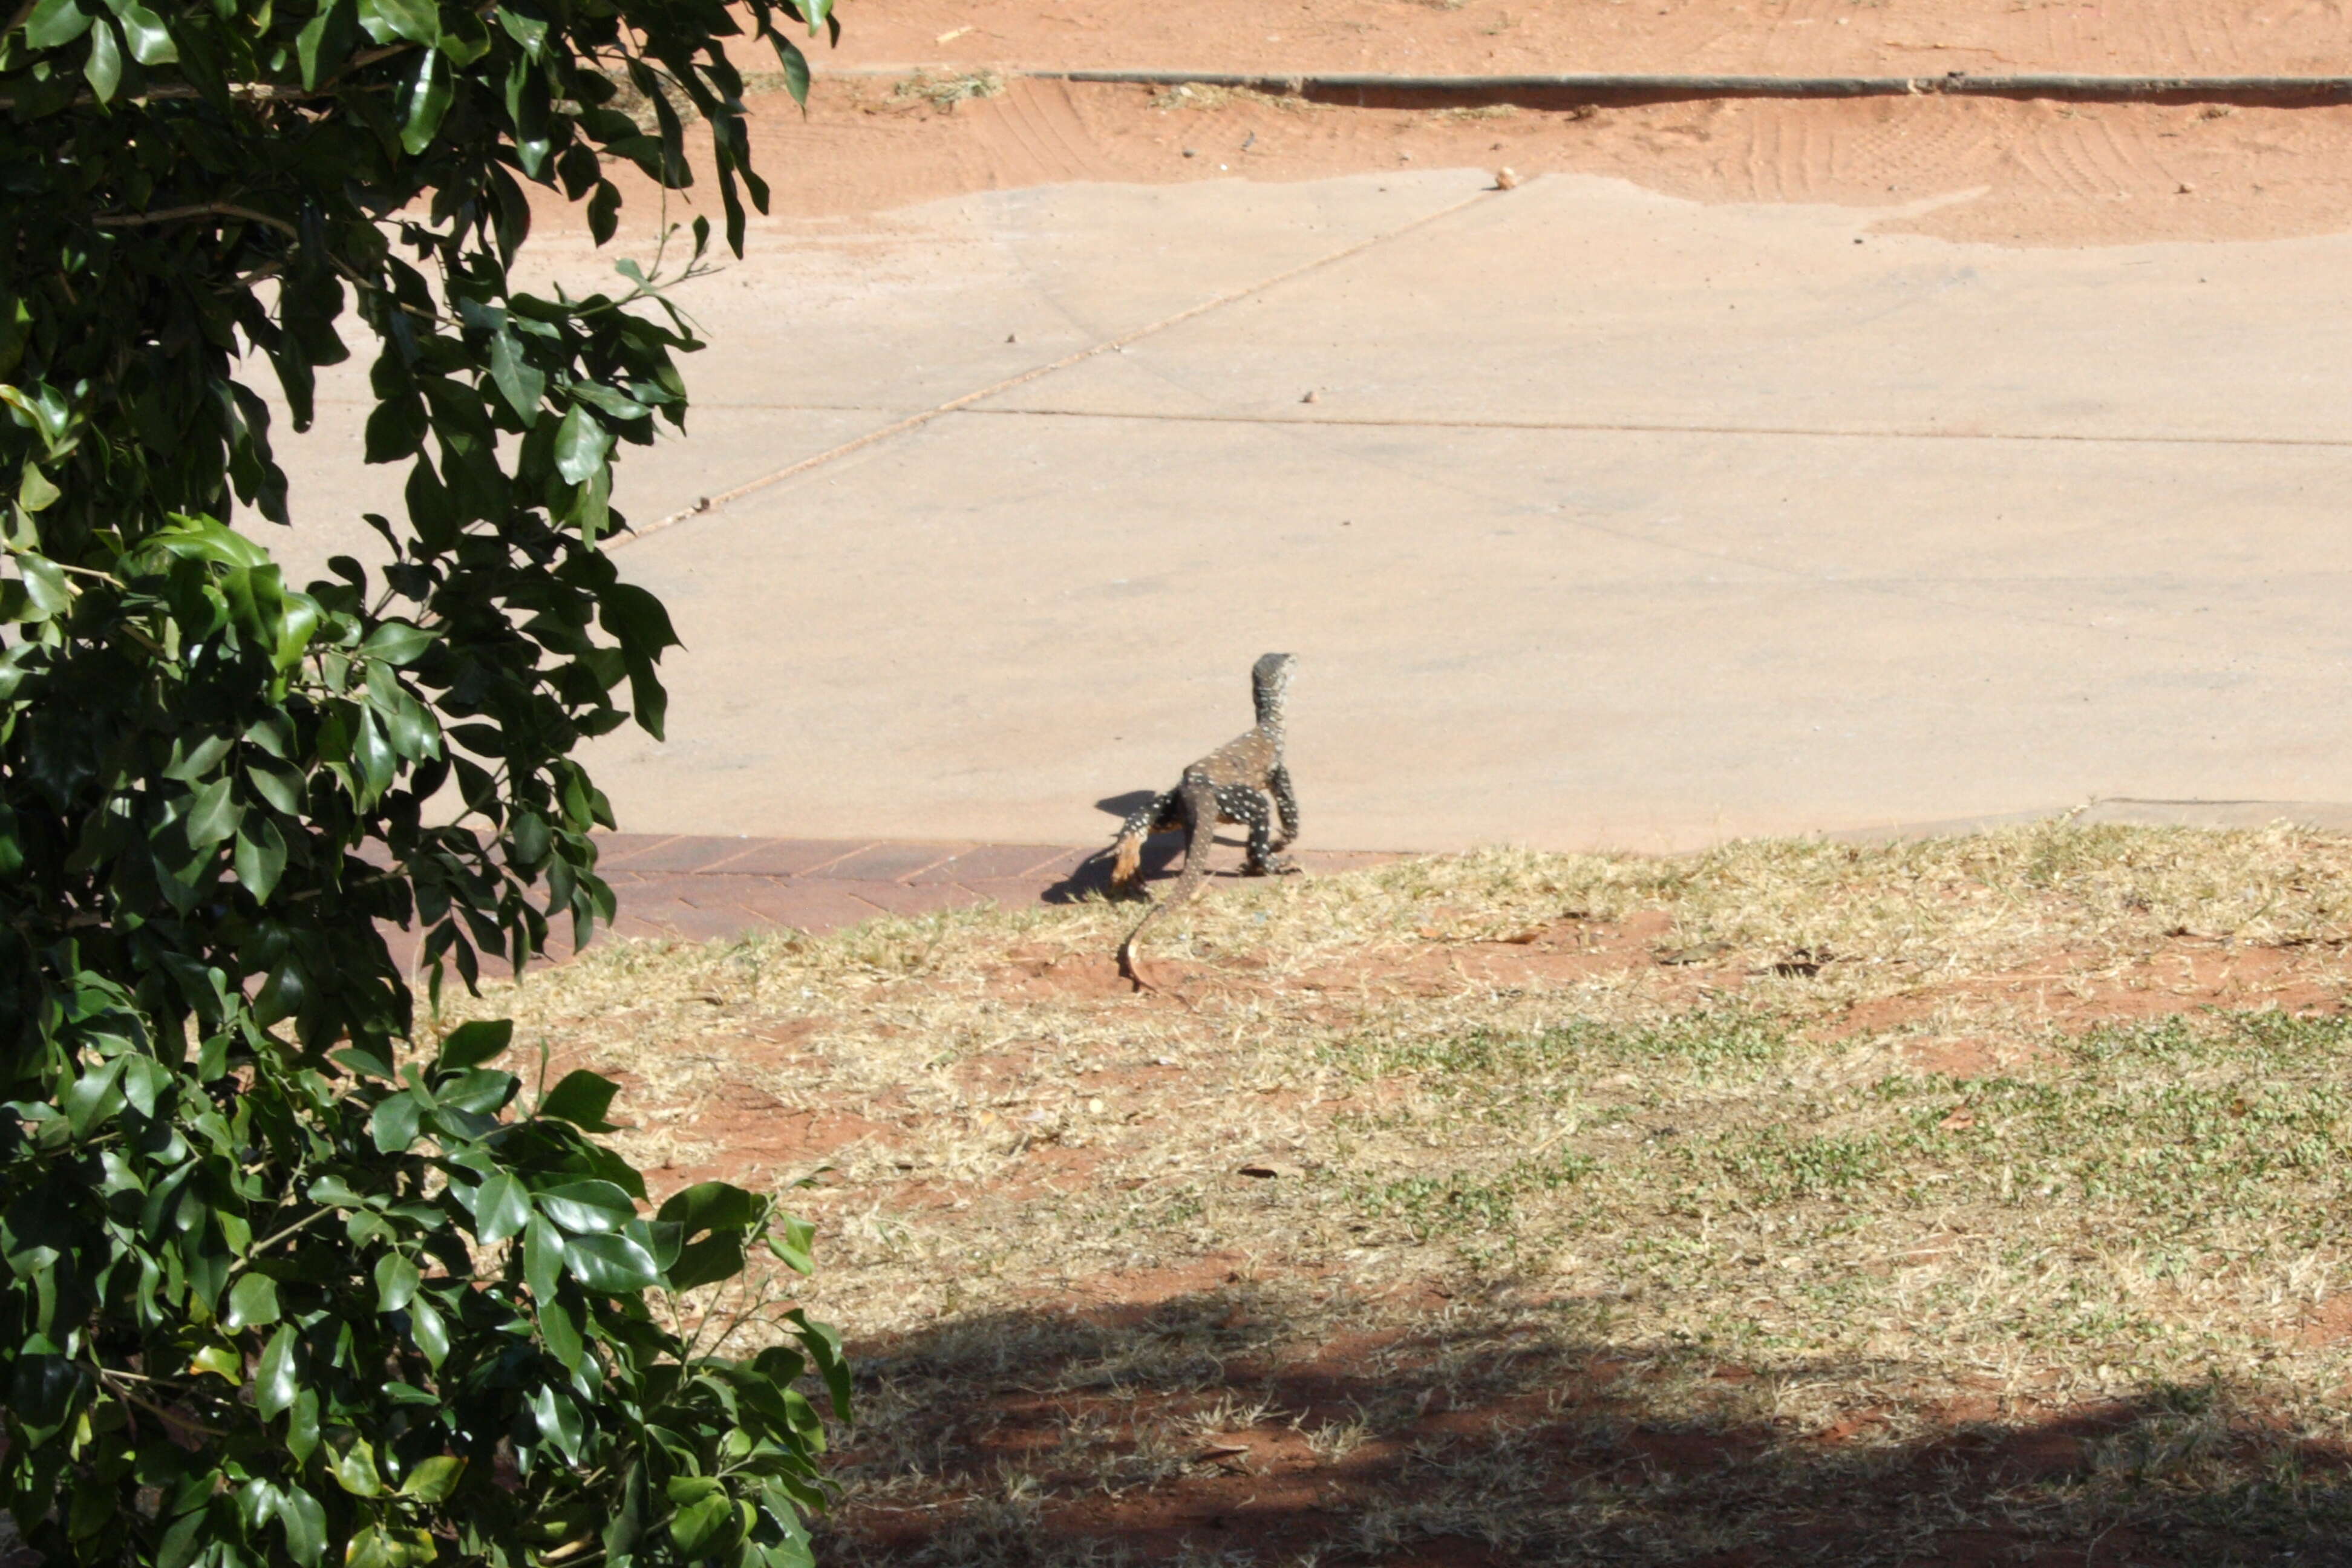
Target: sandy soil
2018 173
2027 174
1793 37
2009 173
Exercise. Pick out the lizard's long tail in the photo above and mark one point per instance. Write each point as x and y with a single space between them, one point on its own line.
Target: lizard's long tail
1196 806
1126 849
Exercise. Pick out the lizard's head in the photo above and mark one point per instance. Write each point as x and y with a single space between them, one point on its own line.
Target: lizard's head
1270 682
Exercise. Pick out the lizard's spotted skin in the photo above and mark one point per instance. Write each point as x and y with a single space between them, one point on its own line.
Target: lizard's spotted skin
1231 783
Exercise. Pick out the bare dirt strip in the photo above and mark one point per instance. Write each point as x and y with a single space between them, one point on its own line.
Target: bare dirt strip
1925 38
2017 172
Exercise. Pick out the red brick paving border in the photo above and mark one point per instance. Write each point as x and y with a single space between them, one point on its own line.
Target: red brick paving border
700 887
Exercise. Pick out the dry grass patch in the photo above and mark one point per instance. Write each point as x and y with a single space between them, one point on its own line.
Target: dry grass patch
944 91
1961 1200
1202 95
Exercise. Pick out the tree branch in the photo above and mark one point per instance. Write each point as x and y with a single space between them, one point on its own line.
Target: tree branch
259 1247
251 93
196 209
168 1416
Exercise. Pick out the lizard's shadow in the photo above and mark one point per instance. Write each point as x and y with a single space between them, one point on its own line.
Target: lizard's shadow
1162 853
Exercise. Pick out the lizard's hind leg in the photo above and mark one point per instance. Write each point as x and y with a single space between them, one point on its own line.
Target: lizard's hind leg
1162 812
1246 805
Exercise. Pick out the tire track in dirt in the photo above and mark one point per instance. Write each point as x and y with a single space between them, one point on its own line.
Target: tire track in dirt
1035 135
1788 39
2035 172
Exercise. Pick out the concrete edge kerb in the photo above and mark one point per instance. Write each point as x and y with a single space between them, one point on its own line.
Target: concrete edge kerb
1376 89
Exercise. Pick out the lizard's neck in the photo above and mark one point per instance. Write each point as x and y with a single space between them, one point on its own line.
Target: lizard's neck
1269 721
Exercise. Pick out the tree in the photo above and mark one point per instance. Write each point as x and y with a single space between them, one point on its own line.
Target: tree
288 1279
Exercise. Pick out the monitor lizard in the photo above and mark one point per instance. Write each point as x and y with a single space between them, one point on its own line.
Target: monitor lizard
1231 783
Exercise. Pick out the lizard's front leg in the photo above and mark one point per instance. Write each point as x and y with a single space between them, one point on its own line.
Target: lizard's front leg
1286 804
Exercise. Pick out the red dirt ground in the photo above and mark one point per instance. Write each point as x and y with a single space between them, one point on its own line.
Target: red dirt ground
1264 1489
1818 37
2018 173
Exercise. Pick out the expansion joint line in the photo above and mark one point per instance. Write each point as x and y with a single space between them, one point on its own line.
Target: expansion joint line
1108 345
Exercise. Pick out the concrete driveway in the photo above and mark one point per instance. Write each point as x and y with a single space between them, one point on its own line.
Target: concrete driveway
1596 518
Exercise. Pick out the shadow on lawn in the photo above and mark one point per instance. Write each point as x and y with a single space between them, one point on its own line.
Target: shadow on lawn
1231 1425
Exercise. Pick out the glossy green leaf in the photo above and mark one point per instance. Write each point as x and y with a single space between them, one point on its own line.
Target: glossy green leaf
93 1097
796 70
302 1427
542 1257
586 1207
274 1378
260 855
396 643
150 40
701 1527
46 595
144 1082
253 1299
277 784
395 429
790 1242
425 99
581 445
304 1524
214 813
418 21
822 1343
610 1265
706 1262
581 1098
369 1547
55 21
472 1044
429 1330
558 1326
219 1361
354 1469
531 32
432 1480
604 213
396 1279
33 491
394 1123
103 67
326 40
522 386
712 1205
628 1523
501 1209
637 619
